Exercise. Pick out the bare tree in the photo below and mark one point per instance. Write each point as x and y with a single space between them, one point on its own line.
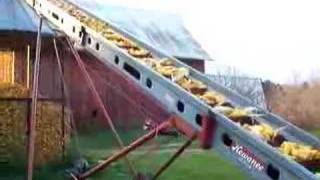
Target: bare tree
246 86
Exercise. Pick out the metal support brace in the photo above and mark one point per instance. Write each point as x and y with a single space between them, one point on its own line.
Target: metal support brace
125 151
175 156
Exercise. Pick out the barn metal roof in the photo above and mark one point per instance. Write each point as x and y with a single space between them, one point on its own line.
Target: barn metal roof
162 30
16 15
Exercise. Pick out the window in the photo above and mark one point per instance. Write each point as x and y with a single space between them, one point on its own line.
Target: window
73 29
6 66
89 40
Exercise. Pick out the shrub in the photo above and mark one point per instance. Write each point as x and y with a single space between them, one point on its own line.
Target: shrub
298 103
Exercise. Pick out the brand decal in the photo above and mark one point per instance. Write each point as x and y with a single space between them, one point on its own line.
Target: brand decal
248 157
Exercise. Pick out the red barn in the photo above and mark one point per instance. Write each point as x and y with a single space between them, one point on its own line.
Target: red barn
126 102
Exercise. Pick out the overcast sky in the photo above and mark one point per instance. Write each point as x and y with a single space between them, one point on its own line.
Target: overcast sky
271 39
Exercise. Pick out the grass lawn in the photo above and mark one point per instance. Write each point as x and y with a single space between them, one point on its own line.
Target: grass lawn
193 164
316 133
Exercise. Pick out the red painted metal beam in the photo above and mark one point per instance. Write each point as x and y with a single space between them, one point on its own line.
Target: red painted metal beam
175 156
126 150
207 132
183 127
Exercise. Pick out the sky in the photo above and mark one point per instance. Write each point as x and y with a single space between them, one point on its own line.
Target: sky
270 39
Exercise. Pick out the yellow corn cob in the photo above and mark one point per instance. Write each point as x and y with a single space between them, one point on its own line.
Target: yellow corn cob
138 52
212 98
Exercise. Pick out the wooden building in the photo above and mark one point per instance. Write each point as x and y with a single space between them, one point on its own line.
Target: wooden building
125 101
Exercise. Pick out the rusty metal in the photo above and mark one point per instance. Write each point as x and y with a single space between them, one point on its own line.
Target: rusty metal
33 114
97 99
175 156
184 127
126 150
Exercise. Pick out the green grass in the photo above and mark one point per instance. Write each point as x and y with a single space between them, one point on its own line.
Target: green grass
97 146
202 166
193 164
316 133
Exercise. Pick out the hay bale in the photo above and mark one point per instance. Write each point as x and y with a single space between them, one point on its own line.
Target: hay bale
12 128
52 132
13 91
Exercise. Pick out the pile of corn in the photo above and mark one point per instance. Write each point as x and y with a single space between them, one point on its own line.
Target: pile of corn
300 152
52 131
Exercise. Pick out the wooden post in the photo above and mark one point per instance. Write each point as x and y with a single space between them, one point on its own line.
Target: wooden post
12 67
33 114
28 66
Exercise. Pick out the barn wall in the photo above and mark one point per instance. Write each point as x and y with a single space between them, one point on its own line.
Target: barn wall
195 63
127 103
49 82
10 43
